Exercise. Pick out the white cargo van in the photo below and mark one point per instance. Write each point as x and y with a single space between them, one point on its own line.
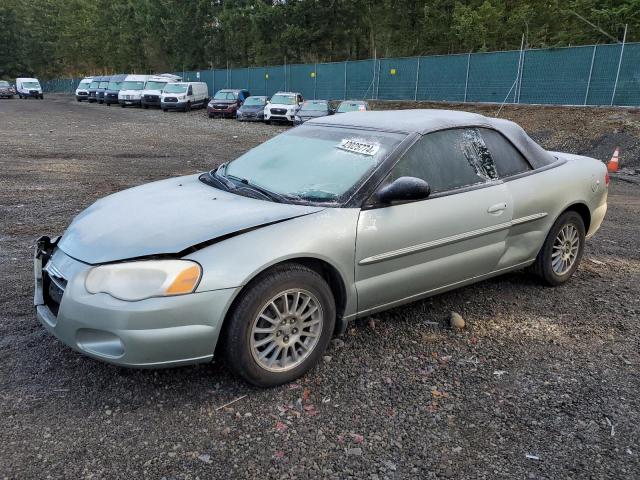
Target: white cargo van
153 89
29 87
82 92
131 90
184 96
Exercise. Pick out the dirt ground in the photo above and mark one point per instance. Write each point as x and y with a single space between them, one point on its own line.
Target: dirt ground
542 383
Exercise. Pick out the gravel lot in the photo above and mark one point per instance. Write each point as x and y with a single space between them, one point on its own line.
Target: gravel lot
542 383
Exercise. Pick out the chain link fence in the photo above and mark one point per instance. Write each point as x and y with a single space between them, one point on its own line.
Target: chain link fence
585 75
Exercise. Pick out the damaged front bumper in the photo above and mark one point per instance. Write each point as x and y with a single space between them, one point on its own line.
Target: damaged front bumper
156 332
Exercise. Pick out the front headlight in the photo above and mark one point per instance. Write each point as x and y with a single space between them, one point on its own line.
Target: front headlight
144 279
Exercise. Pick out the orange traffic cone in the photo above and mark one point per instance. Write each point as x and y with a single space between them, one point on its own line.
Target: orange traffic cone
614 163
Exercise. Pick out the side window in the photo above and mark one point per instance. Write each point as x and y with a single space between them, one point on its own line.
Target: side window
509 161
190 91
447 160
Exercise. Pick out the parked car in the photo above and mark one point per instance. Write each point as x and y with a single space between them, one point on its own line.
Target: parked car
29 88
312 109
252 110
184 96
102 88
150 96
93 89
130 93
82 92
283 107
225 103
6 89
352 106
342 217
113 89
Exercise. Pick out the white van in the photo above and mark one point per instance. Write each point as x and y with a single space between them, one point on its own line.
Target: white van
184 96
283 107
82 92
131 90
153 89
29 87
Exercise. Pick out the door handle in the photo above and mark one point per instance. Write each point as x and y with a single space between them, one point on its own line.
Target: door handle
497 209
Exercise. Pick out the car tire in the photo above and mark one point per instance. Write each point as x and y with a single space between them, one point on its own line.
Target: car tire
187 107
562 251
122 105
250 312
268 122
146 107
165 109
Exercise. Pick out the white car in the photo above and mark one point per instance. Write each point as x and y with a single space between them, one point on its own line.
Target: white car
184 96
82 92
131 90
29 87
283 107
150 96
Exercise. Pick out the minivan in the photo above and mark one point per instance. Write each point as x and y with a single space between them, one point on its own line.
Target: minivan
131 90
82 92
29 87
111 93
150 96
184 96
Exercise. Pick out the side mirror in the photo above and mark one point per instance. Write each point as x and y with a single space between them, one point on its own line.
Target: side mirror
404 189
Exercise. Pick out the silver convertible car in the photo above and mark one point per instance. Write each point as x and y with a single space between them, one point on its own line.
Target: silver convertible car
264 258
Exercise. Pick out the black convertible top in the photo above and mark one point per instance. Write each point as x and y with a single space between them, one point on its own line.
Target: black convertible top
427 121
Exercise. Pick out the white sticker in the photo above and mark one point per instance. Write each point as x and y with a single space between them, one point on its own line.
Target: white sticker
357 146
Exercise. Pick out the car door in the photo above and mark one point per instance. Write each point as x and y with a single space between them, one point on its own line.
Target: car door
404 251
530 206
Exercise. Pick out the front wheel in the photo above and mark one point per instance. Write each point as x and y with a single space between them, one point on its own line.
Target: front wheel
187 107
562 250
280 326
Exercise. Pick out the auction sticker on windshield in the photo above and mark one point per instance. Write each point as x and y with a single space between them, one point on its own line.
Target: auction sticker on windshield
357 146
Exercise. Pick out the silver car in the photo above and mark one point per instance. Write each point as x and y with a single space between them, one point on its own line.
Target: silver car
263 259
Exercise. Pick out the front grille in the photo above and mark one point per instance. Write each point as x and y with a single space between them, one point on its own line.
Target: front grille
33 91
170 100
221 107
112 95
278 111
53 284
151 98
82 94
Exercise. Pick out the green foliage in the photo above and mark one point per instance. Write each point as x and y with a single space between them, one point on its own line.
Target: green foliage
51 38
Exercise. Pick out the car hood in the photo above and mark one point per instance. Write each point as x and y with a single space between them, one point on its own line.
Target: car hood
311 114
166 217
252 108
223 102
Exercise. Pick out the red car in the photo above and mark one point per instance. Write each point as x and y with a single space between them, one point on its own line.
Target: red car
225 103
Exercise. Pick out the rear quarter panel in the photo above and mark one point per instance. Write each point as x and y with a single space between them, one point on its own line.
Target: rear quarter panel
576 180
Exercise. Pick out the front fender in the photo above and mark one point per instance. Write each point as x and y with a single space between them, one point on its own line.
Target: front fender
329 235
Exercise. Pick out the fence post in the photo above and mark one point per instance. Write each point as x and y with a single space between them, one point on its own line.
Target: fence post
524 56
378 84
345 80
466 80
415 94
593 57
315 79
615 85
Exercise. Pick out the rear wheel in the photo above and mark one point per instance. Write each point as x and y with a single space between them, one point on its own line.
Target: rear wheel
562 250
280 326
